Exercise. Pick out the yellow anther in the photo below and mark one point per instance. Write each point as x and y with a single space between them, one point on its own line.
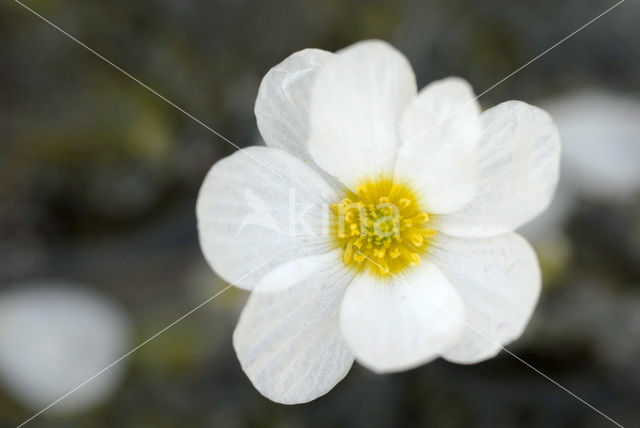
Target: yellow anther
348 252
345 202
404 203
421 217
383 267
428 233
414 260
379 252
383 229
416 239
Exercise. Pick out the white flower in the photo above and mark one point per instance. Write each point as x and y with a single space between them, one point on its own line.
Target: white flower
53 337
406 251
601 138
600 132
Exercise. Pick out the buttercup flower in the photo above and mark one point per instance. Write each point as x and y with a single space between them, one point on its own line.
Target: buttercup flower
55 335
600 135
601 138
387 218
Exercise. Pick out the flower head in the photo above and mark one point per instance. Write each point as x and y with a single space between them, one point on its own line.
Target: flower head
601 140
55 335
391 217
600 135
381 227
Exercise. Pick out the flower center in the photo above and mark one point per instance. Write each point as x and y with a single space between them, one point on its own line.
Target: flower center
381 227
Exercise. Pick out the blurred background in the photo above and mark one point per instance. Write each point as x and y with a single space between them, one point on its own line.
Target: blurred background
99 177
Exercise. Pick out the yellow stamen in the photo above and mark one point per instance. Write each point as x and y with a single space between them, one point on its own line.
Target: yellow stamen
381 227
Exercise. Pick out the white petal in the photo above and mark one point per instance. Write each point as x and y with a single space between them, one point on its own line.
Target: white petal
400 323
53 337
289 274
251 220
282 105
549 224
498 279
356 102
440 132
289 343
519 156
601 143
